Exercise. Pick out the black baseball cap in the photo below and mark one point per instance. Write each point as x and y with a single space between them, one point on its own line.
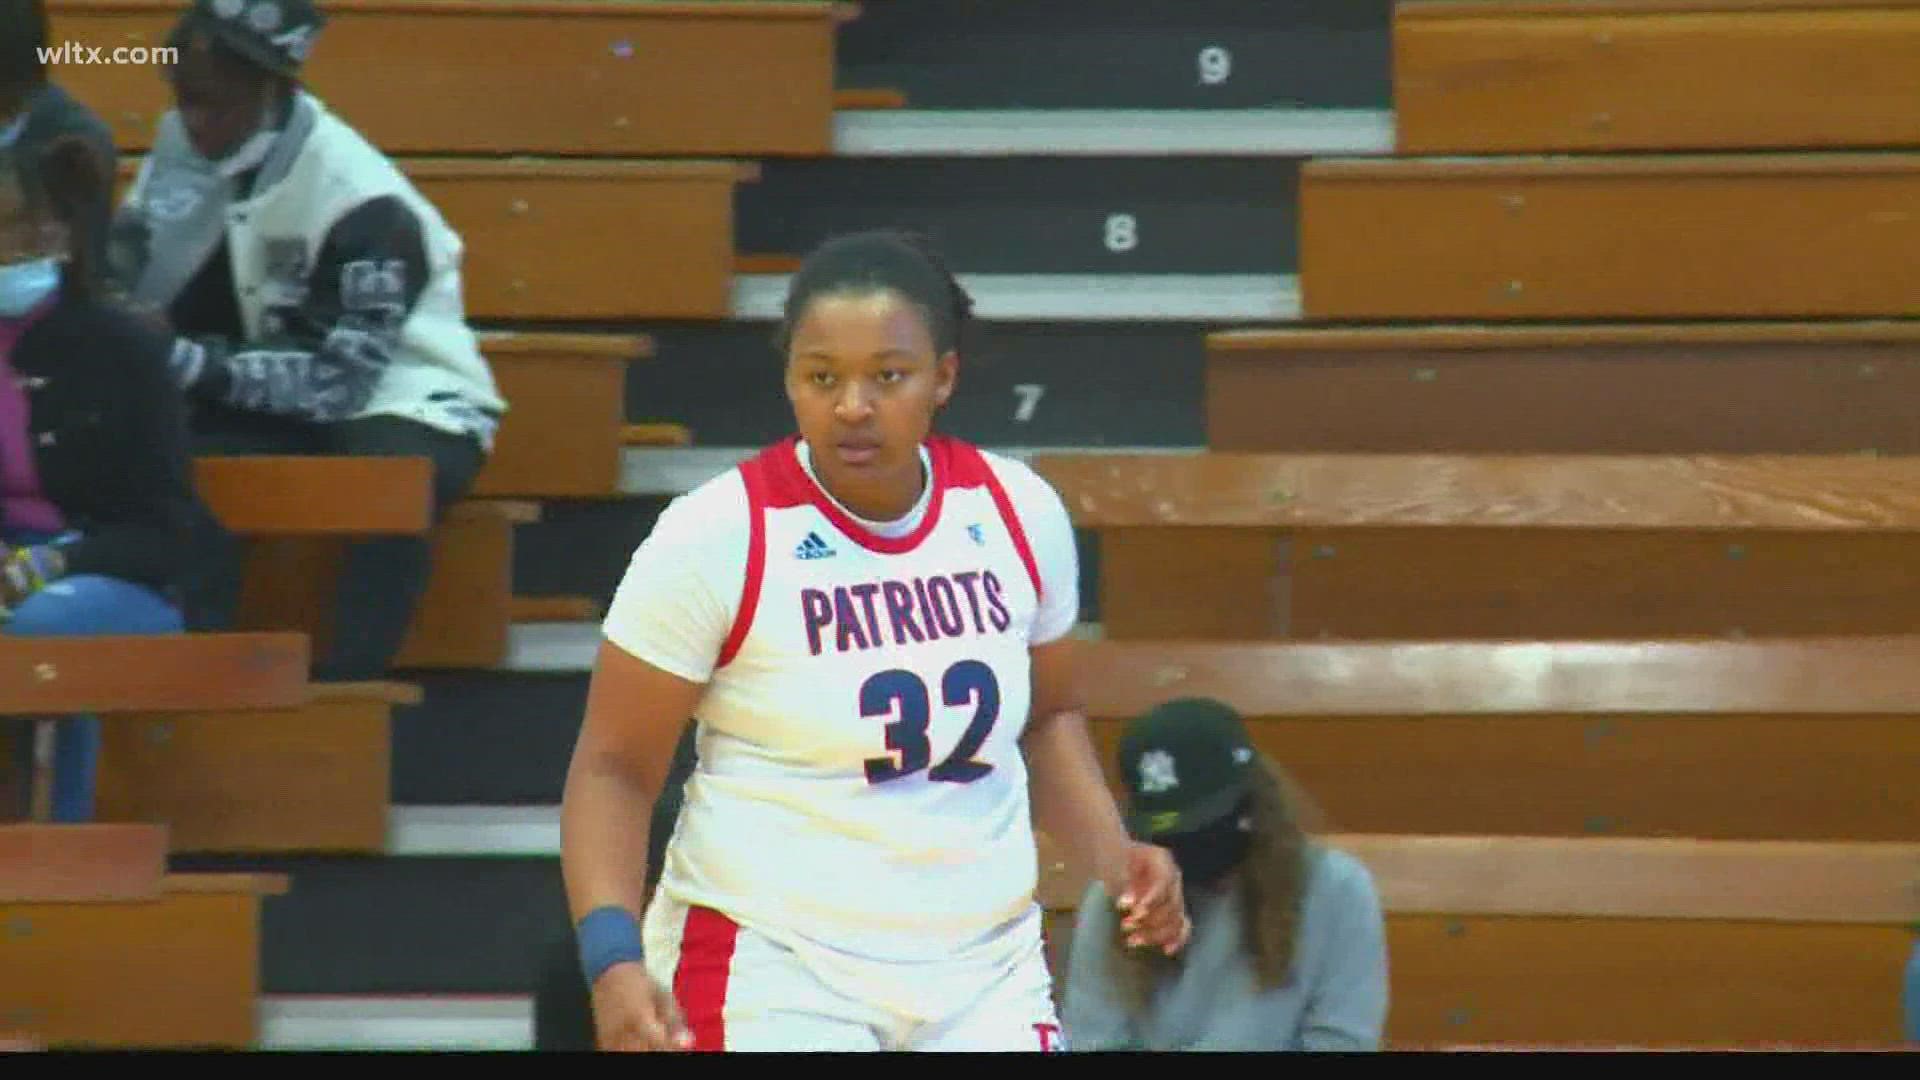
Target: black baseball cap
1184 765
277 35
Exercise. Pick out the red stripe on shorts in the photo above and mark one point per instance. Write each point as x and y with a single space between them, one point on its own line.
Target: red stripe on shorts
700 980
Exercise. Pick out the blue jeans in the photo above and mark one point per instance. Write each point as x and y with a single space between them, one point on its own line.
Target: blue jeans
84 605
1912 995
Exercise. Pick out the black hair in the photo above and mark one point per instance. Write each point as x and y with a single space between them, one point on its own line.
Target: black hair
885 259
61 182
23 33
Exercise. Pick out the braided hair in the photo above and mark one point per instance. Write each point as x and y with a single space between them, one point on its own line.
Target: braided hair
882 261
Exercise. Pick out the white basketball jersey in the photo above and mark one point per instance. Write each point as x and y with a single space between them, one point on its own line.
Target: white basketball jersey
860 783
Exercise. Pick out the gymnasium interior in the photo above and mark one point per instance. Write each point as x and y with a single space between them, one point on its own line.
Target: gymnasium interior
1499 402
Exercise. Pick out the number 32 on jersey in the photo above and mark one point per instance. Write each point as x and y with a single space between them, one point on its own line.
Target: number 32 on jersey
968 682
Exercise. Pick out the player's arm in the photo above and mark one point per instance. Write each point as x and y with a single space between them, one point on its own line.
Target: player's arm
322 353
663 633
634 717
1071 800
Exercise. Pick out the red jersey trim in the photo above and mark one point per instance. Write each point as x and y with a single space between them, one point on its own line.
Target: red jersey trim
794 487
971 464
704 974
753 473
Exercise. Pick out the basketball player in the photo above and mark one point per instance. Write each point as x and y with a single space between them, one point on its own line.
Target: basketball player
870 623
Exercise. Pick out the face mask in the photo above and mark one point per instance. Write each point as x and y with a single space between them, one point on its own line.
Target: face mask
247 155
1207 854
24 285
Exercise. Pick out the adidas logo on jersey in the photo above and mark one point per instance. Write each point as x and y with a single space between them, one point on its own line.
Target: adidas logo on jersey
813 548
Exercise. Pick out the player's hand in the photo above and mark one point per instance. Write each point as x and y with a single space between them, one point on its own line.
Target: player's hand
1153 909
631 1012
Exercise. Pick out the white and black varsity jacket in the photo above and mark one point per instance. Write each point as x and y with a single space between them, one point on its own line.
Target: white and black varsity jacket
347 281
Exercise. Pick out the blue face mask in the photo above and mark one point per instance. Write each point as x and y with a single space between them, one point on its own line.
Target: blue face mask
24 285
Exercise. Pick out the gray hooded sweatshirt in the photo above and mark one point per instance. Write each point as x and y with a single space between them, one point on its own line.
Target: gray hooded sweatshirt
1336 1001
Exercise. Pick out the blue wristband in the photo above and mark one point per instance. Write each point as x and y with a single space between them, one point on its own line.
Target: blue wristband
608 936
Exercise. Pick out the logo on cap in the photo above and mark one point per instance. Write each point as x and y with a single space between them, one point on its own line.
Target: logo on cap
1156 772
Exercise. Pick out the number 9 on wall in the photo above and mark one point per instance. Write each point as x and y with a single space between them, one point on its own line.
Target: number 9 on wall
1216 64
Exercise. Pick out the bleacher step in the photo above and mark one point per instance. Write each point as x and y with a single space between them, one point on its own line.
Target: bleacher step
1275 132
1084 297
443 831
355 1022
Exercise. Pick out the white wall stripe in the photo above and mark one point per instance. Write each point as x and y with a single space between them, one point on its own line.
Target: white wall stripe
1085 297
1282 132
365 1023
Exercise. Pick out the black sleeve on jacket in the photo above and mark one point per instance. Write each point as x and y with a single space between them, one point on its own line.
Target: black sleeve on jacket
321 357
140 531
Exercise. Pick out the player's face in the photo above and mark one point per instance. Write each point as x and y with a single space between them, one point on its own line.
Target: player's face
220 106
23 239
865 383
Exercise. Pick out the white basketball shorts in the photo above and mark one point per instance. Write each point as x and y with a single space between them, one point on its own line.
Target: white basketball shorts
741 991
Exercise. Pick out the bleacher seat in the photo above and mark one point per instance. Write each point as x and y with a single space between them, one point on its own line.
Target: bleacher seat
1795 739
1522 76
240 780
1781 236
79 900
291 569
555 239
1611 388
615 79
184 964
1501 939
1409 546
566 418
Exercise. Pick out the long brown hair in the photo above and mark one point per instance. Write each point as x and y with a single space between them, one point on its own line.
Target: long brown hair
1272 881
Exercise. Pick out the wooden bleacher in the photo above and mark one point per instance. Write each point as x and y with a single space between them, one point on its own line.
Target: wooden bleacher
299 537
1520 76
42 676
1659 943
184 964
1380 546
566 418
235 780
749 79
1795 739
79 900
1781 236
1632 388
602 239
554 239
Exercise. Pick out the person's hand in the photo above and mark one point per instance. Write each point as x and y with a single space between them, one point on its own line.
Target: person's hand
631 1012
150 316
25 571
1153 908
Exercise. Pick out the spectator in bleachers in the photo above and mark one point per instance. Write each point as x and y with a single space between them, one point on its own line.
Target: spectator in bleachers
34 111
95 482
1289 945
1911 993
316 298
